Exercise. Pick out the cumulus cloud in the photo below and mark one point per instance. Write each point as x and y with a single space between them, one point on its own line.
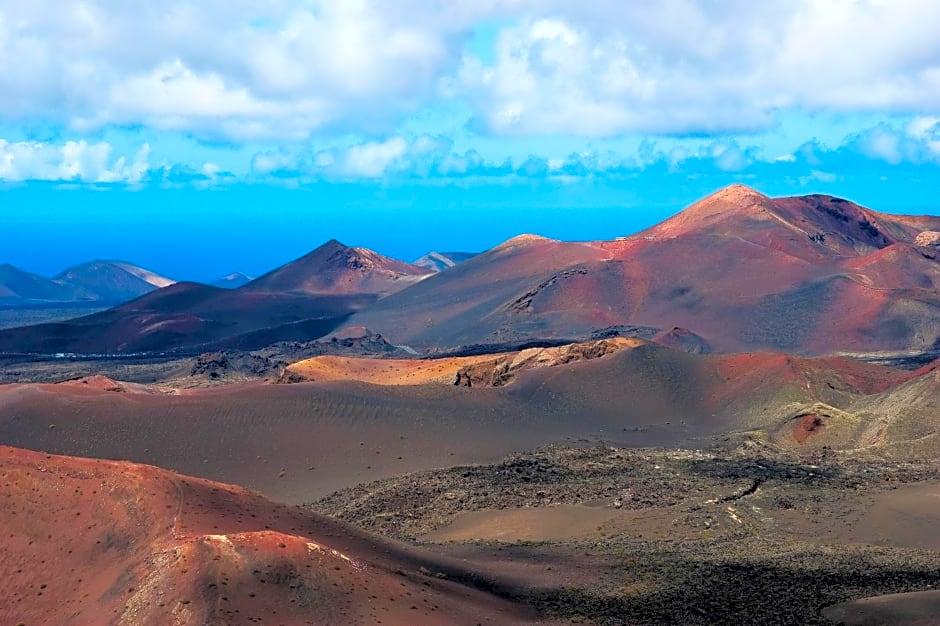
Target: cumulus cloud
286 70
917 142
236 70
78 161
608 68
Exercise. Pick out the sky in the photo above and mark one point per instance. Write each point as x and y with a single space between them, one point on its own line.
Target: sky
197 138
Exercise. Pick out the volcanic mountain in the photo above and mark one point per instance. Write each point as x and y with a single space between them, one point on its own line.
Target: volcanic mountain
232 281
88 541
189 316
811 274
112 281
18 285
103 281
299 301
467 304
440 261
336 269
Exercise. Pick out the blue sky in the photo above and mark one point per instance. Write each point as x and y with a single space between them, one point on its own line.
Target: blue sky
199 138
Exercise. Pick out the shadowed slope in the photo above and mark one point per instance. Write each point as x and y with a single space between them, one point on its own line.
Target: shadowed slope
187 315
921 608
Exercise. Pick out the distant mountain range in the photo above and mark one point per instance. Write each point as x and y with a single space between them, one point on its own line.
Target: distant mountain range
440 261
305 298
736 271
232 281
104 281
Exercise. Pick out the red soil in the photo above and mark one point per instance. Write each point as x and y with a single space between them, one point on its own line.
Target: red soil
90 542
808 426
746 373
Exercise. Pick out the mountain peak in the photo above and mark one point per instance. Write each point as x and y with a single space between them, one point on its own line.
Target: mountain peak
525 239
734 197
332 243
735 200
737 191
335 268
439 261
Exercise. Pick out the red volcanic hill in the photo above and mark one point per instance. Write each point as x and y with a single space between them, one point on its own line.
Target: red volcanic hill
336 269
810 274
474 301
92 542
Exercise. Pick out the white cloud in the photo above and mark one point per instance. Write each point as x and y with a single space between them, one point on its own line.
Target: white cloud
239 70
370 160
287 69
882 143
917 142
365 160
607 68
71 161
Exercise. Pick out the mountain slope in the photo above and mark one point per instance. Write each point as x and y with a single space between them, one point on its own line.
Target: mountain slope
462 306
15 284
112 281
336 269
440 261
232 281
299 301
189 316
813 274
134 544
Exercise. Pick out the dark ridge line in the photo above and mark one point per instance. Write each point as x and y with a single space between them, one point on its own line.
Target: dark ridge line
755 485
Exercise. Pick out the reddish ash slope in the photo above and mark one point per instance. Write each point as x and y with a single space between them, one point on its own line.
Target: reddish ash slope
336 269
465 305
812 274
92 542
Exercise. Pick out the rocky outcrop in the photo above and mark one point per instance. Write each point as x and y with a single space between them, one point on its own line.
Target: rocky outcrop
523 302
97 381
683 339
928 238
502 370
